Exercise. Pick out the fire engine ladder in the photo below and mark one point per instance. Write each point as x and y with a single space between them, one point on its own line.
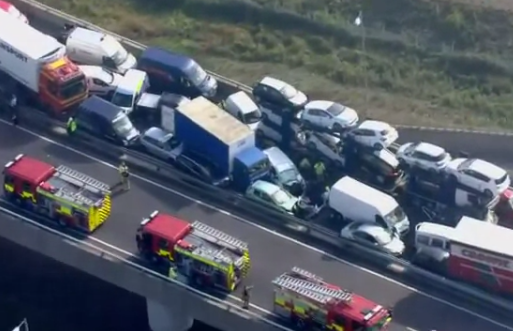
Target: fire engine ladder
83 178
312 291
213 235
306 274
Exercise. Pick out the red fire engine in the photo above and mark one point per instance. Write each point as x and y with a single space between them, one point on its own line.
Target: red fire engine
63 194
312 304
206 256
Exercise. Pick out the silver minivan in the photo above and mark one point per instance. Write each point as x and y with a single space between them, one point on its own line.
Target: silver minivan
284 171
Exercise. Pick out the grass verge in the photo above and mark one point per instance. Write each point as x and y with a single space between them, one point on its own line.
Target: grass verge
415 62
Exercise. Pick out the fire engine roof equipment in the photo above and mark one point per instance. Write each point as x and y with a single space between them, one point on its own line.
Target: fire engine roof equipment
301 283
199 239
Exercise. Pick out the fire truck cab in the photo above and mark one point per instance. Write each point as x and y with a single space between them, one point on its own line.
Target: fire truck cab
206 256
312 304
62 194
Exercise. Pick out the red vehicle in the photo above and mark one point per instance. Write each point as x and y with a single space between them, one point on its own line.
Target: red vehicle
69 197
204 255
482 253
312 304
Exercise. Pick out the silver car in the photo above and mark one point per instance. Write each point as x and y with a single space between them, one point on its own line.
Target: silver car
284 171
161 144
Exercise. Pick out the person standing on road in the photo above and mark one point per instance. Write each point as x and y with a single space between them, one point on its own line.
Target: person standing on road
71 125
124 174
246 292
13 105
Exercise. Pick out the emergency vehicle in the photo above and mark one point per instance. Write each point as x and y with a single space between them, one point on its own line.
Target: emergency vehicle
63 194
39 67
474 251
310 303
206 256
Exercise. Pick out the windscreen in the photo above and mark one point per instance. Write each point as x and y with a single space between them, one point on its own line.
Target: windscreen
197 75
73 88
122 99
252 117
395 216
288 175
259 167
336 109
114 49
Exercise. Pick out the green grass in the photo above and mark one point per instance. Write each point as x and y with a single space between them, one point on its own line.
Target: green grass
423 62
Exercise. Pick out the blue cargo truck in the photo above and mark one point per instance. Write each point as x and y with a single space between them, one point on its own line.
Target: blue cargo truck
207 131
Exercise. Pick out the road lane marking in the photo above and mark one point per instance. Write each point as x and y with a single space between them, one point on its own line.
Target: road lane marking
148 181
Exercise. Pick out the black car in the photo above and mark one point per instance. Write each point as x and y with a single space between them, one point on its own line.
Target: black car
276 95
101 118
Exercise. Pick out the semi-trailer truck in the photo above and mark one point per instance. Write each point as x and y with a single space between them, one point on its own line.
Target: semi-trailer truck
35 67
206 130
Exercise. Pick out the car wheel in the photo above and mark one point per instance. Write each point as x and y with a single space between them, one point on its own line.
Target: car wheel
403 164
488 193
378 146
337 127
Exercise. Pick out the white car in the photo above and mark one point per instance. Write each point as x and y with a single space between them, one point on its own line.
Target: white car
374 134
100 81
375 236
423 155
329 115
479 175
10 9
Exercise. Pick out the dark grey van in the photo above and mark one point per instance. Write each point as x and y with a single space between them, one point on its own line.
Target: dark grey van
176 73
101 118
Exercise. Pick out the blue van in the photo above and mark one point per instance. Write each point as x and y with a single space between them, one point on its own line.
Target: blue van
176 73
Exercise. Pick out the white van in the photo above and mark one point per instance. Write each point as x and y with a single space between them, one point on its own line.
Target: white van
242 107
129 89
352 200
97 48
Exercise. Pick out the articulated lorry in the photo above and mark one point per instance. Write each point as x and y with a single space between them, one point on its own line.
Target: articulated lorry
35 67
211 134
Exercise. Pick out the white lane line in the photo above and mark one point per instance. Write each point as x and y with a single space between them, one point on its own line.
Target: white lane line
393 281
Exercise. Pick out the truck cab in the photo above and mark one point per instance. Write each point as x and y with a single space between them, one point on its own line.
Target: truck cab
175 72
97 48
129 90
38 66
249 166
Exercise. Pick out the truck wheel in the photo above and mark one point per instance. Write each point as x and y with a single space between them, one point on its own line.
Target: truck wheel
62 222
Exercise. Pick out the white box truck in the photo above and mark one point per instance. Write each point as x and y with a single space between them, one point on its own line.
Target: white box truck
39 67
352 200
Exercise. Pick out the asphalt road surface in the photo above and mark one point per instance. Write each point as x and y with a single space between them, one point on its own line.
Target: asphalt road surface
271 254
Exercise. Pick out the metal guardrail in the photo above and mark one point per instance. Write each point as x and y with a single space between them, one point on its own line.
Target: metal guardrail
149 165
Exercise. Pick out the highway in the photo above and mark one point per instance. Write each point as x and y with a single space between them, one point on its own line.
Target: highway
271 253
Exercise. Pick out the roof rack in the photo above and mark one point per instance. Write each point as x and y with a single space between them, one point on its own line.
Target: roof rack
218 237
78 187
312 287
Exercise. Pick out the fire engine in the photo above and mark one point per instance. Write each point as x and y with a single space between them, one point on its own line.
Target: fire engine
310 303
65 195
204 255
37 65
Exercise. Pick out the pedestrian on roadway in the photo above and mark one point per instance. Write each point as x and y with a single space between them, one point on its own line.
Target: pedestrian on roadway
246 293
124 176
